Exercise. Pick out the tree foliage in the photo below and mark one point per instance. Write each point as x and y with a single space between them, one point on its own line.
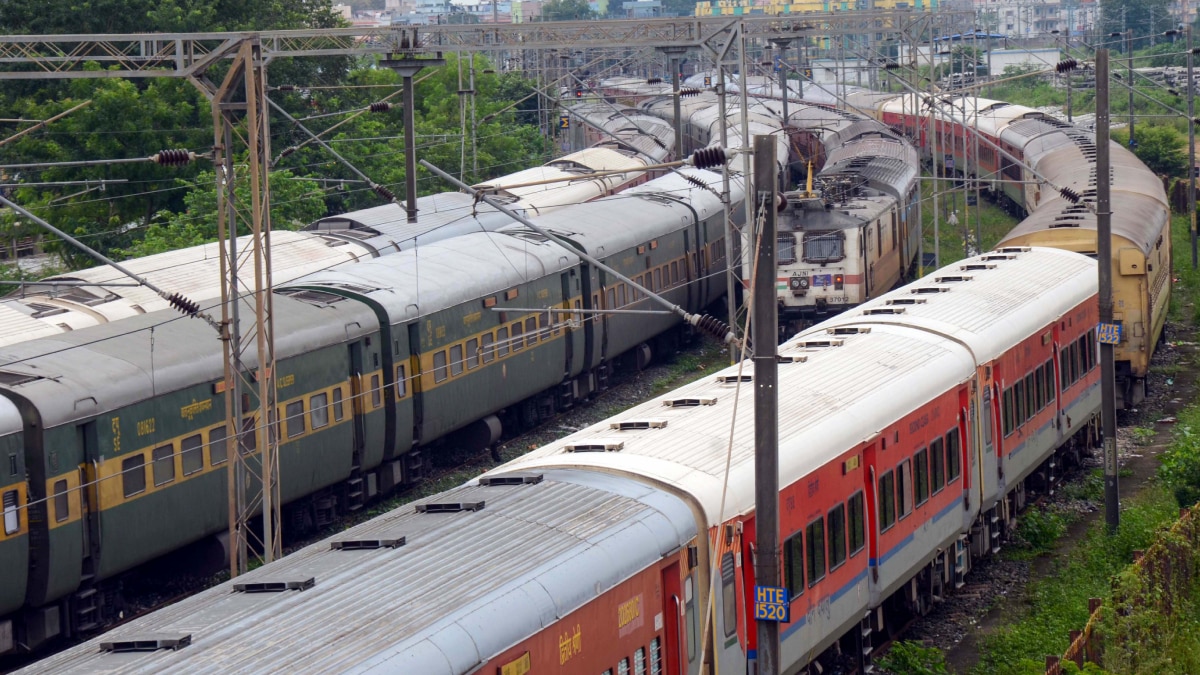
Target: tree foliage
1143 17
566 10
1162 148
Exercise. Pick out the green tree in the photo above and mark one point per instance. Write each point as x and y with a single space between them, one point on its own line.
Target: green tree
1143 17
1162 148
294 204
566 10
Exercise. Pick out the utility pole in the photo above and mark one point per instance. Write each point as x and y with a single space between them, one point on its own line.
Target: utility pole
1129 82
1108 380
673 54
783 43
1191 185
766 395
406 63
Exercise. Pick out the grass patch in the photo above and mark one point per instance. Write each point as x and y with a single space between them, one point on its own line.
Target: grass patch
1088 488
1059 604
1038 530
913 658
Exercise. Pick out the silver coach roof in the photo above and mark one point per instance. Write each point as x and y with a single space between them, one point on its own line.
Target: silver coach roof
848 388
463 588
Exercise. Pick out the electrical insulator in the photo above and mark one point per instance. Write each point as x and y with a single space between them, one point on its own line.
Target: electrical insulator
183 304
686 92
383 192
172 157
1069 195
707 158
654 80
380 107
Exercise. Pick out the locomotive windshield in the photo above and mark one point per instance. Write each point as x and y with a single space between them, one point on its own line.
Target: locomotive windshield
785 248
824 247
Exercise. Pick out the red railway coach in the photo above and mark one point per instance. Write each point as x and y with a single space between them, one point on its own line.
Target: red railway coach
908 429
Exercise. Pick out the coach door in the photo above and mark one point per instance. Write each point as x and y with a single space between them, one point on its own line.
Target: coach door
672 609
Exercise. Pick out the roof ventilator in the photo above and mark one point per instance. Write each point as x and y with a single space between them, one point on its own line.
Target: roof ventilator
876 311
449 507
734 379
511 479
595 446
848 330
953 278
791 358
1013 249
366 544
819 344
690 402
275 586
929 290
148 643
907 301
975 267
635 425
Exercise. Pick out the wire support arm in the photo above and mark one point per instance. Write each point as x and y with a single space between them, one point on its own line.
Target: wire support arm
380 190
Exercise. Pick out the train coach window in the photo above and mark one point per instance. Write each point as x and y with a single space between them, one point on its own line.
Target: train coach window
164 464
456 360
623 666
472 354
544 323
785 248
937 457
12 464
921 484
218 450
1031 406
815 551
133 475
1039 389
639 661
793 564
318 406
294 415
248 437
658 285
502 341
62 501
401 381
610 298
12 517
728 595
656 656
439 366
1007 411
887 500
837 536
531 331
518 339
377 388
489 351
1048 381
857 523
338 411
953 457
904 488
191 451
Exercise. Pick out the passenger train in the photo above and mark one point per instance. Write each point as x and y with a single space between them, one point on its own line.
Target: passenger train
1024 158
113 432
910 429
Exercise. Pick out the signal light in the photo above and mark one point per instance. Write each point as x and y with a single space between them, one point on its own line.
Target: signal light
578 92
839 282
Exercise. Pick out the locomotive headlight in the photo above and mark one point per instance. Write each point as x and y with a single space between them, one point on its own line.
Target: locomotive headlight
798 283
